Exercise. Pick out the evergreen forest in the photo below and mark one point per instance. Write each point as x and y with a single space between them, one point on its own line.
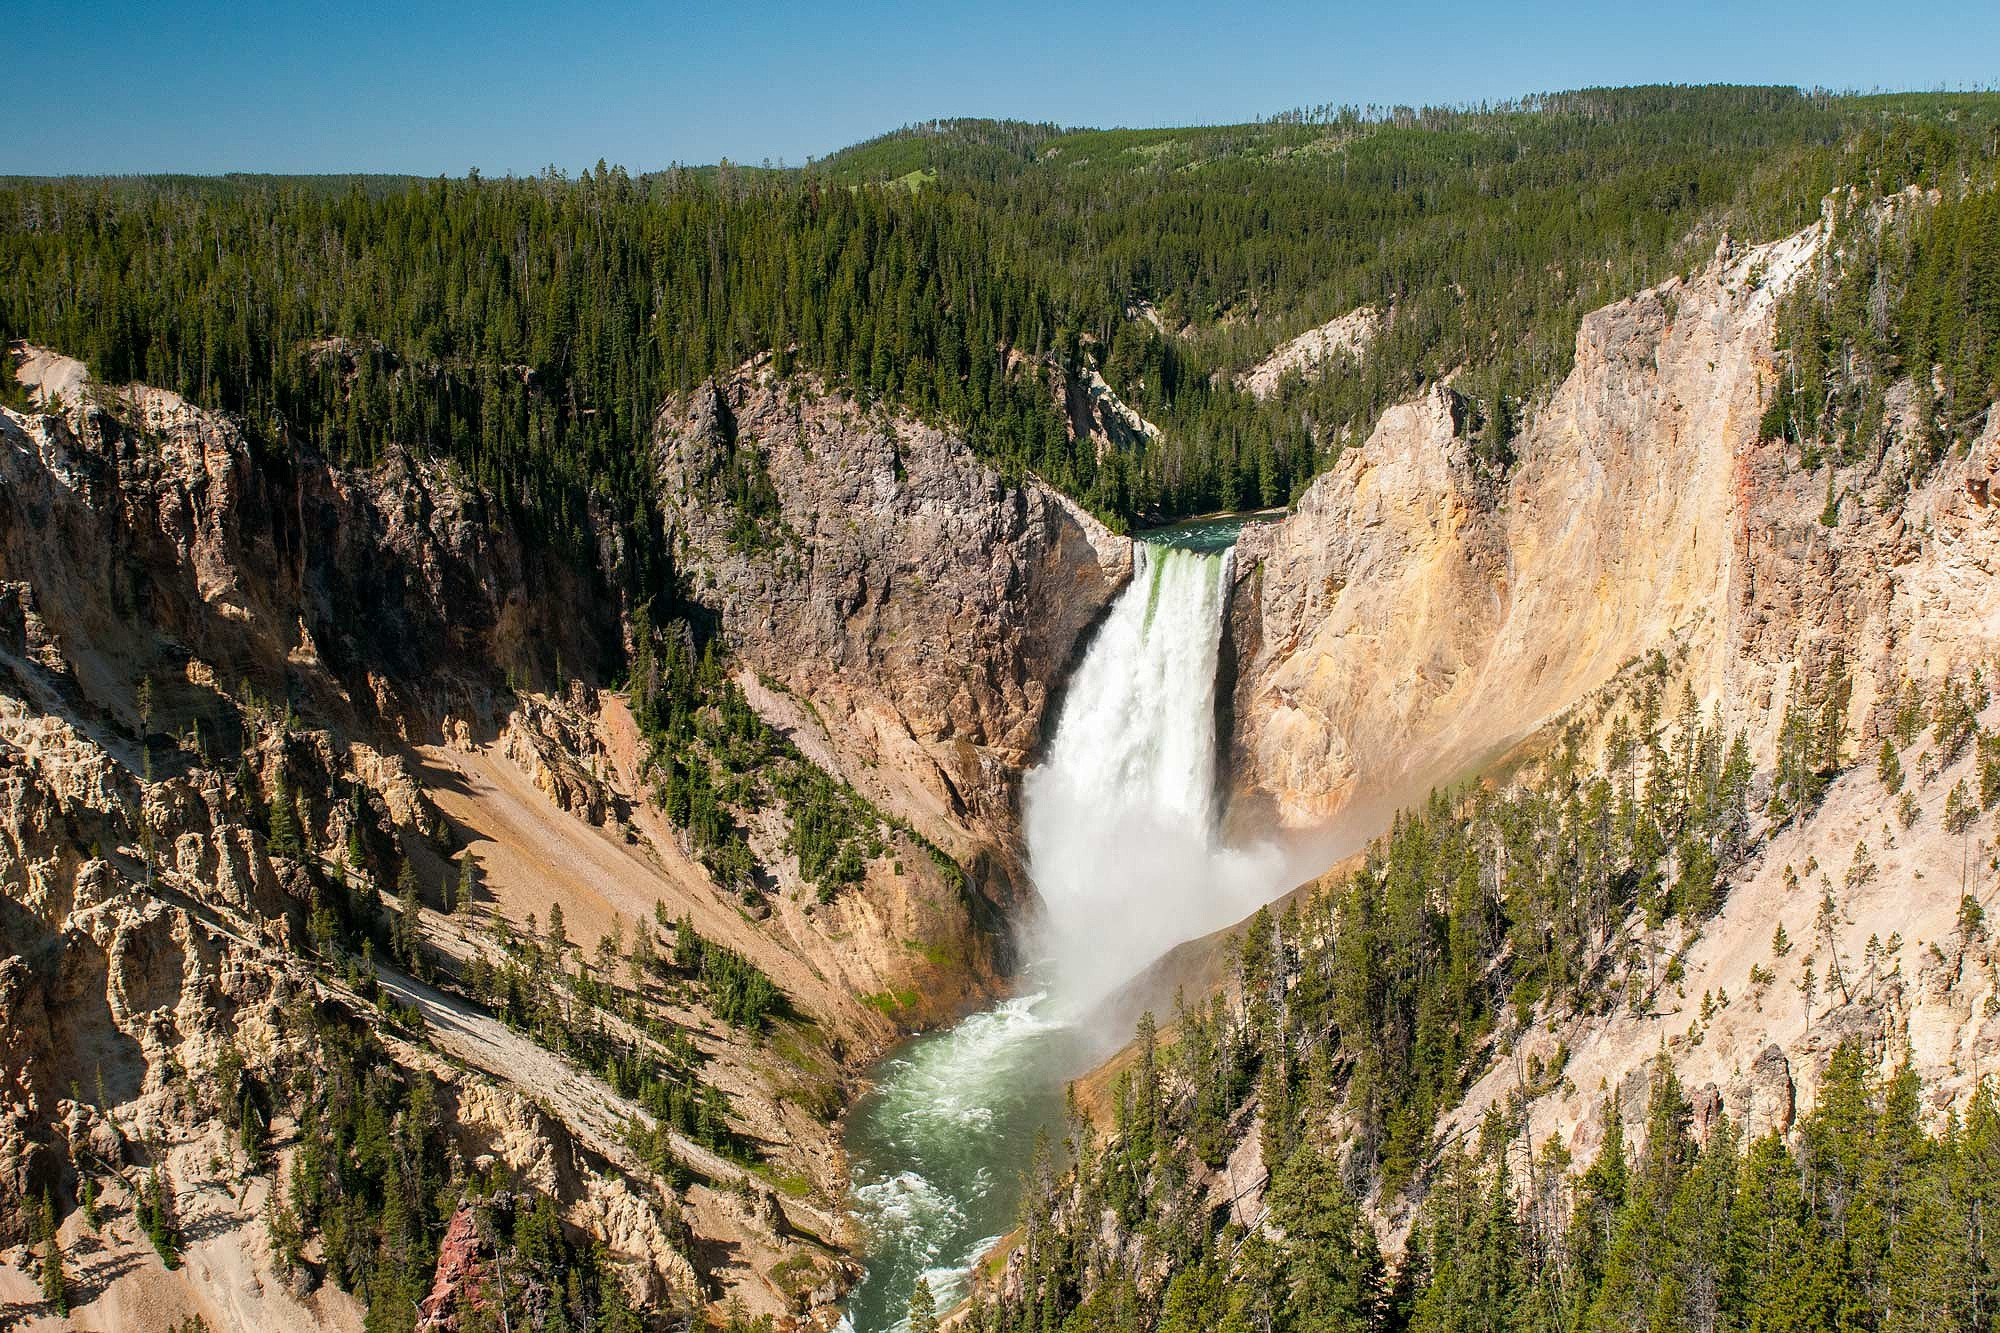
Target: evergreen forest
528 329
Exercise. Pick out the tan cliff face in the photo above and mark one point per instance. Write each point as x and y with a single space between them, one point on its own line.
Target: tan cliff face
162 595
158 543
912 622
1419 617
1417 614
904 610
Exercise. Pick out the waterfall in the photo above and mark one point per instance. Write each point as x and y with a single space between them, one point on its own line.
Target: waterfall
1120 820
1121 816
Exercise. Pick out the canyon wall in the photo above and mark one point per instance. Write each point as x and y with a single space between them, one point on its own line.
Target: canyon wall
907 611
190 623
1425 616
1422 611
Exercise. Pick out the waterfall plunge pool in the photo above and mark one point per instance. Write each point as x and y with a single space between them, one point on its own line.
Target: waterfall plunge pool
937 1148
1120 822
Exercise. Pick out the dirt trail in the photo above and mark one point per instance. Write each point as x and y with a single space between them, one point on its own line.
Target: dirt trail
592 1110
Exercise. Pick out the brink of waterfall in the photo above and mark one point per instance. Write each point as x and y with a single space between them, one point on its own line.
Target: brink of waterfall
1121 817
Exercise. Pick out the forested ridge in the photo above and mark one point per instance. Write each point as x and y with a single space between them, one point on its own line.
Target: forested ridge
1907 304
528 329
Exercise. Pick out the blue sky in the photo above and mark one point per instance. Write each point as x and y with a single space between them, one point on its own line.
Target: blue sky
503 86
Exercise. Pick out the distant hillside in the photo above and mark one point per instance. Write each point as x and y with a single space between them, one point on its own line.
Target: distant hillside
959 268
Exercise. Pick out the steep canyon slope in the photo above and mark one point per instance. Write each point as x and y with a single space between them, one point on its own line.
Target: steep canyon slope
1685 741
1421 611
286 741
1420 615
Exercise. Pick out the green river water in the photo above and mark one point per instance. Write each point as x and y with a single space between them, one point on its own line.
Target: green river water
938 1147
1209 534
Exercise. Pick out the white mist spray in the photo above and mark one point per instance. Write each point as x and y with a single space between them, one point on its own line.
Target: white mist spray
1121 816
1121 828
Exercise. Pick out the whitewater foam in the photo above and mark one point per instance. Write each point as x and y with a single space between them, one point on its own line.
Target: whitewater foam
1121 817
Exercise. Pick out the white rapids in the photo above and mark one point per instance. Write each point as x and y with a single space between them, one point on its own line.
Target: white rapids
1121 818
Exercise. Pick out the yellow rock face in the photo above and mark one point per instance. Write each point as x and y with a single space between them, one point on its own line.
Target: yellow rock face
1419 613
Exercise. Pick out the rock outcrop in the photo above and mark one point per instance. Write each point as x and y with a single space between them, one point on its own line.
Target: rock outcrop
1092 411
182 621
157 545
917 607
1425 615
1312 352
1886 957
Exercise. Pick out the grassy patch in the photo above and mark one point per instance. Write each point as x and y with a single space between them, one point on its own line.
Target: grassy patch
939 954
791 1184
891 1003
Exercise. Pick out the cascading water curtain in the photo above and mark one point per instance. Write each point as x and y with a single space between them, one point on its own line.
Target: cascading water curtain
1121 817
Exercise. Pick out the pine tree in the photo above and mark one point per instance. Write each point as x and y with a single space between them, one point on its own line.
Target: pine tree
1775 1266
1332 1269
1959 809
558 937
462 901
1889 767
1470 1250
406 935
55 1281
642 956
687 945
160 1217
250 1135
1974 1184
1909 718
1641 1251
281 1225
284 839
923 1315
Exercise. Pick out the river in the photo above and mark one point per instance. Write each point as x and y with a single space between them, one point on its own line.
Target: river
1121 824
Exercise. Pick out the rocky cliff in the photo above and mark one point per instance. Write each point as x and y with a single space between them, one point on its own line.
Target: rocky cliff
1862 923
907 612
247 698
1421 612
1424 615
152 536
